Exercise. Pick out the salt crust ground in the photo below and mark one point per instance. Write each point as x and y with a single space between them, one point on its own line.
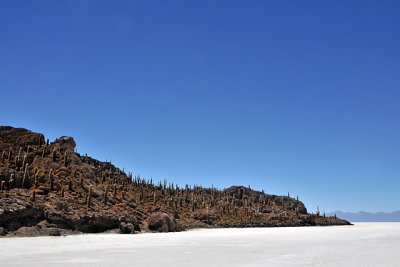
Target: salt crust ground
365 244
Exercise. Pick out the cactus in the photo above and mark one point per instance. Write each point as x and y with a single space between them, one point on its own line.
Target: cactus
19 153
53 155
2 186
25 176
40 140
105 195
62 191
115 191
70 185
51 180
65 159
36 182
44 151
33 195
11 181
89 197
3 157
9 155
26 167
23 162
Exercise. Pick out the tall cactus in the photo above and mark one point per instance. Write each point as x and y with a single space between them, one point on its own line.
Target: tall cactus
3 157
23 162
54 155
51 180
105 195
11 181
25 177
9 155
89 197
65 159
19 153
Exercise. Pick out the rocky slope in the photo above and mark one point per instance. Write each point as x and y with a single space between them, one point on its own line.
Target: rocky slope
49 189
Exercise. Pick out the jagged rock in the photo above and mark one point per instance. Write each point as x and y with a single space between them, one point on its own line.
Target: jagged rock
162 222
64 143
19 137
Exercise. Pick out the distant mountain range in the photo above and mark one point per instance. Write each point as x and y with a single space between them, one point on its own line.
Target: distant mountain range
363 216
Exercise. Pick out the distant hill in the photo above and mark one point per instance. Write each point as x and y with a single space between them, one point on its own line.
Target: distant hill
363 216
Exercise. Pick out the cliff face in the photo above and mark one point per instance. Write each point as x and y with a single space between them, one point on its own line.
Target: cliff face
48 189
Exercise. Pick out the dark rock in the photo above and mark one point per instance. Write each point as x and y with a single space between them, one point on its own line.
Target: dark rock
126 228
2 231
17 214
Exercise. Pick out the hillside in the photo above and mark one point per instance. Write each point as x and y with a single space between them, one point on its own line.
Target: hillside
46 188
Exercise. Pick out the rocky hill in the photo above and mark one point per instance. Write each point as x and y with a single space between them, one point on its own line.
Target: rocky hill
49 189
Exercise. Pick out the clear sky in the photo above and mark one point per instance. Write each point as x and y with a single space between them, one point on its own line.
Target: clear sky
299 96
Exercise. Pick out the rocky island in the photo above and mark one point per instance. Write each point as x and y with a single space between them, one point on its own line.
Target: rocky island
47 188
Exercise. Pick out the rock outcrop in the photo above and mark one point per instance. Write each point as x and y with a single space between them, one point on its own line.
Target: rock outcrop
46 188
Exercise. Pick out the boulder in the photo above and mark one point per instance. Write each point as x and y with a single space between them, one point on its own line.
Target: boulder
209 216
162 222
126 228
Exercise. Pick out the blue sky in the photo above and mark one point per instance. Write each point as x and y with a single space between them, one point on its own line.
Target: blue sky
299 96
